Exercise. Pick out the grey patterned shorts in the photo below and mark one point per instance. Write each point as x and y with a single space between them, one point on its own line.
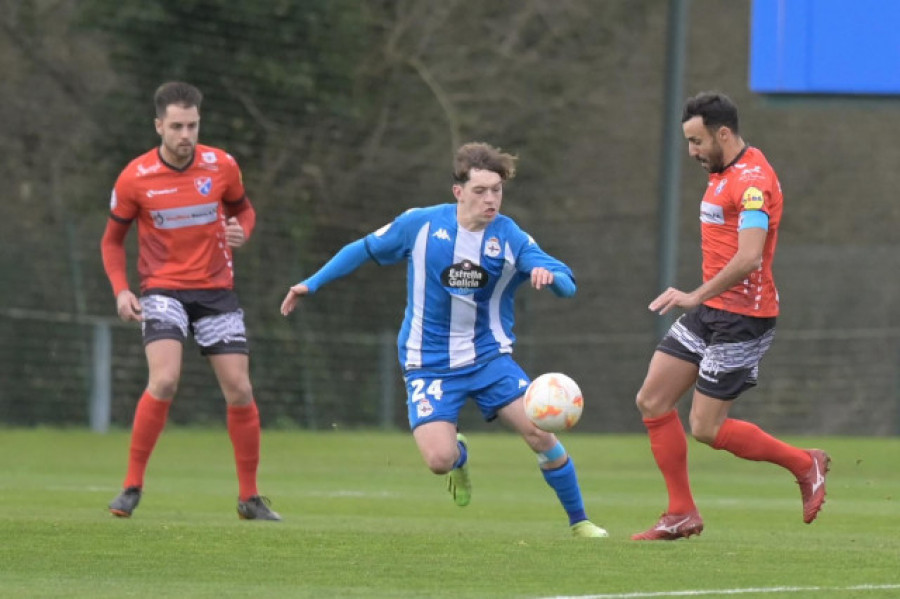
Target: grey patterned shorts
727 348
213 315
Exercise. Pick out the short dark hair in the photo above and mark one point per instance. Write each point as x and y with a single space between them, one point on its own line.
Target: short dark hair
176 92
715 108
485 157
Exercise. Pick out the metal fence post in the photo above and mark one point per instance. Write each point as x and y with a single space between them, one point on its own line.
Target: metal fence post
101 383
387 374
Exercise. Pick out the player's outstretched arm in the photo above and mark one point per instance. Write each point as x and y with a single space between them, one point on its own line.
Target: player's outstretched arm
348 259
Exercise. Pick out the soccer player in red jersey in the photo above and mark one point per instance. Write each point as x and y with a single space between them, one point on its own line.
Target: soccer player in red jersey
728 324
191 209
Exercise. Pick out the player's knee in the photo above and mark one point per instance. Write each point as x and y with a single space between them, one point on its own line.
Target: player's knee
703 432
238 393
440 461
649 405
539 440
163 386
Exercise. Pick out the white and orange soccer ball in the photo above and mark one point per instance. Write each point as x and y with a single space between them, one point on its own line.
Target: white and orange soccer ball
553 402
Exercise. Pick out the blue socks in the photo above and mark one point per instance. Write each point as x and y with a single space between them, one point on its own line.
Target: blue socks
463 455
564 481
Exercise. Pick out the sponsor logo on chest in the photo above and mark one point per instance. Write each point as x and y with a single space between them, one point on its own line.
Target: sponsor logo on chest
712 214
464 277
185 216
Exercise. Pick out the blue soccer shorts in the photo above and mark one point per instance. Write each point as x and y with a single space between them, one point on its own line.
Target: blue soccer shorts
439 395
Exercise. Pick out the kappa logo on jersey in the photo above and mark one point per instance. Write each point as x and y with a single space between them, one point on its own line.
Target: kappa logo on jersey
492 247
464 277
721 186
752 199
203 185
441 234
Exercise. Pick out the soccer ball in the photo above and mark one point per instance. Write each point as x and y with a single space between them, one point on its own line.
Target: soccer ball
553 402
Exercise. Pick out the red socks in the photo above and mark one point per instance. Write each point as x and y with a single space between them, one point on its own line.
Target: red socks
243 428
149 421
669 446
748 441
744 439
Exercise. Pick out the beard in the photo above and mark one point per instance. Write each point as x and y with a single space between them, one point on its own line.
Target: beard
715 161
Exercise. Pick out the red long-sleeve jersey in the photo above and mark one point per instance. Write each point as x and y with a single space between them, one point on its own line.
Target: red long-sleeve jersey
181 216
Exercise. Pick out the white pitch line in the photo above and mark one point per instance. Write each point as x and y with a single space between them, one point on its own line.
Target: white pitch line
758 591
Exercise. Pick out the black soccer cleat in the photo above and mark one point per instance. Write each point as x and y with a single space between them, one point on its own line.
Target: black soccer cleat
125 502
256 508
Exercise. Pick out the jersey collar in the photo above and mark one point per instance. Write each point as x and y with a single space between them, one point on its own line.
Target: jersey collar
736 159
187 165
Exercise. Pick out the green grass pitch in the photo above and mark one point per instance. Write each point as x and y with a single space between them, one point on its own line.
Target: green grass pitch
364 518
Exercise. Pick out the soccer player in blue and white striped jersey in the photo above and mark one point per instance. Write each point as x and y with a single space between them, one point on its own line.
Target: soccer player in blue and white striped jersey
465 262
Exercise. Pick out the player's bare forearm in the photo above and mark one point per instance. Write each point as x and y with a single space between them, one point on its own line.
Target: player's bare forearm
673 298
747 259
728 277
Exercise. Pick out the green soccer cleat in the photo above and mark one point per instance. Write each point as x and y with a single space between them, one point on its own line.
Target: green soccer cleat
458 482
256 508
587 529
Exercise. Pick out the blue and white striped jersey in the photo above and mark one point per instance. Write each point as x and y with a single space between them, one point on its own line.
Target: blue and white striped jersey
460 284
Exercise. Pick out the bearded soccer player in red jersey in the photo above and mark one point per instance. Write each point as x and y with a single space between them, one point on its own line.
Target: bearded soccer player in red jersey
729 323
189 203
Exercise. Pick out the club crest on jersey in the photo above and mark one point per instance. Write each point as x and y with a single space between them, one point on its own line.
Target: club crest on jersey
203 185
492 247
464 277
721 186
752 199
424 408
